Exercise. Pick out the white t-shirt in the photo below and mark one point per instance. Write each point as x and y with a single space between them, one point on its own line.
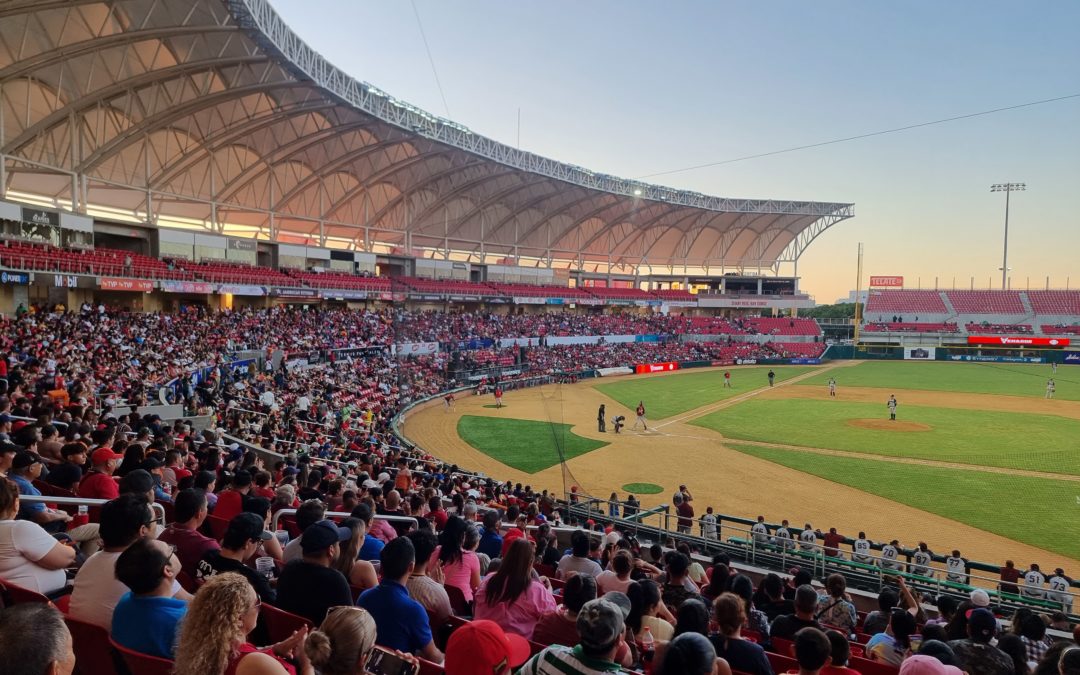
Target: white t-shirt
97 590
303 403
570 563
22 544
609 581
267 398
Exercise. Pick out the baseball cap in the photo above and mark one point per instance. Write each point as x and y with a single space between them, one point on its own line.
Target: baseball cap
322 535
383 477
980 598
137 482
25 458
151 463
982 624
246 527
599 624
921 664
102 455
481 647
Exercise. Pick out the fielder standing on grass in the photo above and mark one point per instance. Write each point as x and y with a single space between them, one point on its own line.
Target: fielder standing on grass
641 416
772 376
832 387
892 407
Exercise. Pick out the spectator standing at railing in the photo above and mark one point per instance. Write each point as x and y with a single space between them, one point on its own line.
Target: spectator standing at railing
685 512
708 524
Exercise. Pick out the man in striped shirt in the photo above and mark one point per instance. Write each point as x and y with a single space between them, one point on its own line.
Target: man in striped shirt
600 625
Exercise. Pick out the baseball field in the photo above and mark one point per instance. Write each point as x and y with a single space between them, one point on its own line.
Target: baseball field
978 459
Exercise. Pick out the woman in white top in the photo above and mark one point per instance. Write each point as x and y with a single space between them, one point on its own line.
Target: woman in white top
647 610
29 556
618 577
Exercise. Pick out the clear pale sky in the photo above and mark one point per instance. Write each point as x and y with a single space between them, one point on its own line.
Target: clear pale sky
635 88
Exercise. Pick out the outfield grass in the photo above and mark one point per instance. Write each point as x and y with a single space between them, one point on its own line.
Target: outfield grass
525 445
1011 379
1014 440
676 393
1032 510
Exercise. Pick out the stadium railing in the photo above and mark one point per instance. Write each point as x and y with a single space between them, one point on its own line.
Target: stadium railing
83 501
874 576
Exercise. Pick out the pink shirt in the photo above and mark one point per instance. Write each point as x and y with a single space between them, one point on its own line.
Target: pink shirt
519 616
459 574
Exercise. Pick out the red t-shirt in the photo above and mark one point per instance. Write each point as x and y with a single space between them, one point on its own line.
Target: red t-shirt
229 503
97 485
832 544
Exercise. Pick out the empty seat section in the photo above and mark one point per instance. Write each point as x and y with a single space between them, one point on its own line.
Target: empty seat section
904 302
986 302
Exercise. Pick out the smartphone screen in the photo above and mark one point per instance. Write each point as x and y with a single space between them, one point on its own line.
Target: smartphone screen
383 662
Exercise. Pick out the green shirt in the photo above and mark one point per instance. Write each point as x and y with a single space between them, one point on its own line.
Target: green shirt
560 660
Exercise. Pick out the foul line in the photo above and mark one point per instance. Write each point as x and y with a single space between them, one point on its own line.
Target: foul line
704 410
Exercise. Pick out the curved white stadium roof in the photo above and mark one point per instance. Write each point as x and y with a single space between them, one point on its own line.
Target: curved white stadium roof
213 114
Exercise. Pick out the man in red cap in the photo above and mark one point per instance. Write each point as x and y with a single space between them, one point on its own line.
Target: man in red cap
483 648
98 482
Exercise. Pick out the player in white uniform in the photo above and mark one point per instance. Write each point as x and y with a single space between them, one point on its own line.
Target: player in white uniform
760 532
890 557
808 539
1059 590
956 568
783 537
1033 581
708 524
921 559
832 387
1050 388
860 550
891 404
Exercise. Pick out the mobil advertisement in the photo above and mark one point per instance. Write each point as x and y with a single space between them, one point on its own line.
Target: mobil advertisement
656 367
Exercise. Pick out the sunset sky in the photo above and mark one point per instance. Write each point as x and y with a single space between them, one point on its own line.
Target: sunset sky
635 88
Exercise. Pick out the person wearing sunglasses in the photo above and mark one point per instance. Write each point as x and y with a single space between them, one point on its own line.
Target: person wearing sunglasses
146 619
124 521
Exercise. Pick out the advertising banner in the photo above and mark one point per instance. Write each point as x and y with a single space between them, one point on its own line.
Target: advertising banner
187 287
415 348
555 301
656 367
134 285
14 278
996 359
66 281
40 216
920 353
804 362
606 372
357 352
306 293
344 295
518 342
529 301
1011 341
1073 357
240 289
887 282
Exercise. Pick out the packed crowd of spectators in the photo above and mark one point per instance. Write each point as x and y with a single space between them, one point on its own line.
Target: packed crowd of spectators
200 587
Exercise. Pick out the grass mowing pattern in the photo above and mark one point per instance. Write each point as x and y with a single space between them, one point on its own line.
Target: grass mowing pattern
990 438
642 488
1003 504
525 445
676 393
1007 379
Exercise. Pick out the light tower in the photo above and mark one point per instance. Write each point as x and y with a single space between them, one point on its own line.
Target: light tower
1007 188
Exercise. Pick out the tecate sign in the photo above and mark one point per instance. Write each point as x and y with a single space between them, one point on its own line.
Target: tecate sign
889 282
1007 341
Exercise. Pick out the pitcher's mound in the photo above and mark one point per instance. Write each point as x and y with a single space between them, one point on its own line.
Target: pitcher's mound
889 425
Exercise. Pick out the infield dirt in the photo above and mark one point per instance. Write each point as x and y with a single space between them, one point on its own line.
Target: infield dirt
674 452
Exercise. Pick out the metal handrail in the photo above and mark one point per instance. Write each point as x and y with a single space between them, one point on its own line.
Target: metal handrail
392 519
82 501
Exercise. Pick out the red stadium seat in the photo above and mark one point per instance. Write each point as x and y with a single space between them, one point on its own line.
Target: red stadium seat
143 664
281 624
93 655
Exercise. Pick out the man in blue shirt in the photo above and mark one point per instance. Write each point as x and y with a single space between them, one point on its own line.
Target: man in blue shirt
25 469
491 541
146 619
400 621
372 547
